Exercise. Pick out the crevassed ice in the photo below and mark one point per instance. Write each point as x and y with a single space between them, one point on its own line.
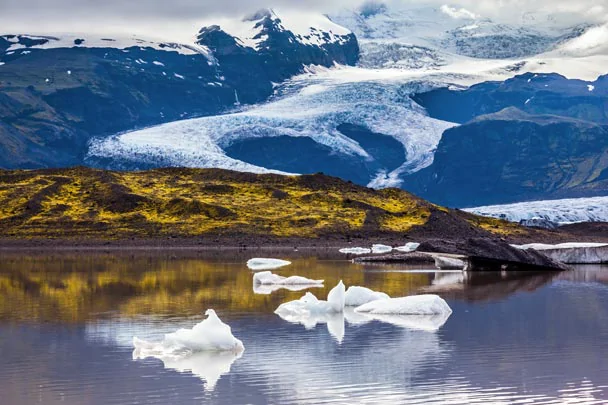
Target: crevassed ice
300 111
565 211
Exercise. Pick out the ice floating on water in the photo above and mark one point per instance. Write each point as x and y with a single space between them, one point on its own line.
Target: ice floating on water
310 305
265 289
427 323
414 305
380 249
356 296
267 278
266 264
209 335
409 247
356 251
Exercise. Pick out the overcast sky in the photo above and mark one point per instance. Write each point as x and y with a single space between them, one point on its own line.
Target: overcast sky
141 16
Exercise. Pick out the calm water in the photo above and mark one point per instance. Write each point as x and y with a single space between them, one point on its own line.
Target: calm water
67 323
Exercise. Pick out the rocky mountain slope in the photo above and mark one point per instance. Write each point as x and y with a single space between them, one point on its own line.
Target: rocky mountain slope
531 137
56 93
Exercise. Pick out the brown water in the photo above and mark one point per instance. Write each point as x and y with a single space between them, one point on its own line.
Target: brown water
67 323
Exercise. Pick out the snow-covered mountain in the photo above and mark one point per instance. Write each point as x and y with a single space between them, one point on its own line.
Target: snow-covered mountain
294 93
566 211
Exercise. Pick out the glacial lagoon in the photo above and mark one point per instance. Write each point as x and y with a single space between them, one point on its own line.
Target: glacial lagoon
67 322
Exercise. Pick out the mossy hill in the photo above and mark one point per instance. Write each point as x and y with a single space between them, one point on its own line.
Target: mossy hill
184 203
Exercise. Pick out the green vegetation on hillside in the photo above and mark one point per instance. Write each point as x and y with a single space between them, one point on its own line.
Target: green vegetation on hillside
90 203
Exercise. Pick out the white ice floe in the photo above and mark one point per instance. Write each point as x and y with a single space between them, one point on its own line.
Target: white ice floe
211 335
260 263
380 249
448 263
356 296
408 247
414 305
309 305
267 289
356 251
267 278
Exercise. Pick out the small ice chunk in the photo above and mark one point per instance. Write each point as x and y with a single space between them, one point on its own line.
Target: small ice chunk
260 263
409 247
267 278
309 305
336 297
356 296
178 76
157 63
209 335
379 249
2 63
590 87
69 72
356 251
267 289
414 305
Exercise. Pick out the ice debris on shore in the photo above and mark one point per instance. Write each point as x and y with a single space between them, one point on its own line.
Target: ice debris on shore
268 278
414 305
210 335
356 296
355 251
381 249
259 263
408 247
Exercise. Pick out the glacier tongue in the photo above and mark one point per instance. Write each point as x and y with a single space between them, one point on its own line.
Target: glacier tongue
566 211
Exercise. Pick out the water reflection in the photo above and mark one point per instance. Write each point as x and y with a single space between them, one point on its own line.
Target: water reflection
67 325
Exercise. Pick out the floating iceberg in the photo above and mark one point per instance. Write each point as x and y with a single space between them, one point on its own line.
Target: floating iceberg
414 305
381 249
211 335
267 289
408 247
356 296
309 305
356 251
257 264
267 278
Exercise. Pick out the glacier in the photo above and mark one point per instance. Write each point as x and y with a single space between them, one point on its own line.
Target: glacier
564 211
404 49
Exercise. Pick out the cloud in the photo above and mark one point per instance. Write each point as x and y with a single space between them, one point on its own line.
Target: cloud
458 13
184 17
